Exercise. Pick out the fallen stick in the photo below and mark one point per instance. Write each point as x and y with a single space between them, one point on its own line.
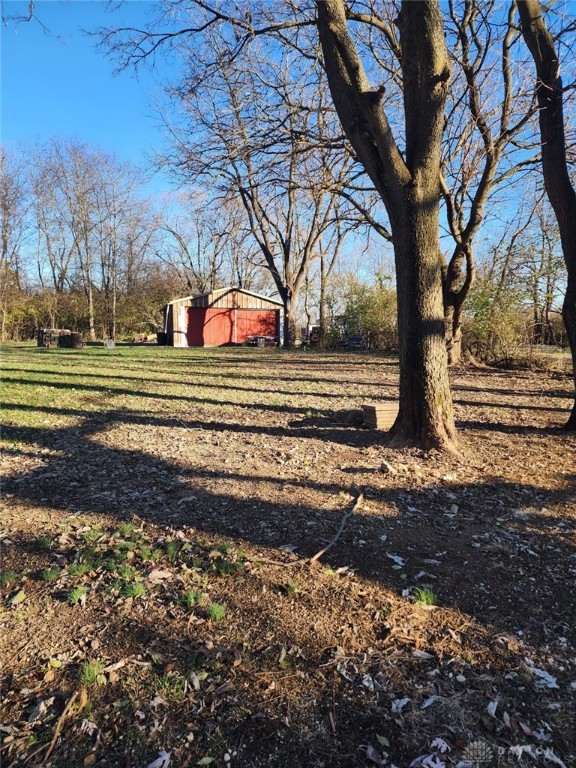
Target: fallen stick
59 725
318 555
357 503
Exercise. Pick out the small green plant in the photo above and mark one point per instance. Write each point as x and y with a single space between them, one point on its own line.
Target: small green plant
50 575
137 589
44 542
425 596
126 572
225 567
173 686
191 598
93 535
145 553
116 586
291 588
216 611
91 673
76 595
156 555
225 547
172 549
80 569
127 546
8 577
126 529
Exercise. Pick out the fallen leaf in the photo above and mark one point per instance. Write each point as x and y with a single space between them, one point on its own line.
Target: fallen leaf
396 558
158 575
441 745
373 755
429 701
545 680
224 688
114 667
162 761
18 598
40 709
398 705
368 682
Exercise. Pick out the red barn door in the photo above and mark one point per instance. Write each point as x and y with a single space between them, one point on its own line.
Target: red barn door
209 327
255 322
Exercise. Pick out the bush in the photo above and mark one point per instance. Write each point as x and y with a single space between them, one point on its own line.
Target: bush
495 322
368 309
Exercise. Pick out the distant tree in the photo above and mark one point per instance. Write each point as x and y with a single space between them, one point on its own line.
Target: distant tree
247 134
93 230
364 306
488 138
13 226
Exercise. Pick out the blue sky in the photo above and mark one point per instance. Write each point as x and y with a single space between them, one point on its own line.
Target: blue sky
58 84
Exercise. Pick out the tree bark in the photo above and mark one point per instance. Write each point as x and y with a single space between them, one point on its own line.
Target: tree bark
410 189
559 188
322 304
456 290
425 399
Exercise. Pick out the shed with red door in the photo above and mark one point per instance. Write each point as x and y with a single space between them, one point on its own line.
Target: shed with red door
226 316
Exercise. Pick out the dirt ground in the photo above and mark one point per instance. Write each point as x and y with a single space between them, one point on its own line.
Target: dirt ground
233 468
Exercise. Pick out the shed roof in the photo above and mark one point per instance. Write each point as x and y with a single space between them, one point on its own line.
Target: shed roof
220 291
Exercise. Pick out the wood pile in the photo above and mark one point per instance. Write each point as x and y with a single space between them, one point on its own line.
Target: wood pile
381 416
50 337
59 337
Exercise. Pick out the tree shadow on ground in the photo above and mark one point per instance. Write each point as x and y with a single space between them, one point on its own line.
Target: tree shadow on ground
484 548
500 552
324 705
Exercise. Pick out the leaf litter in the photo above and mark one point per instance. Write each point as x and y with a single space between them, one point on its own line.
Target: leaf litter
181 686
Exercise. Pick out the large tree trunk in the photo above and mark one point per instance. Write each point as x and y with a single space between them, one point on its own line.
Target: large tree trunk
289 330
559 188
90 299
410 189
322 304
425 414
288 322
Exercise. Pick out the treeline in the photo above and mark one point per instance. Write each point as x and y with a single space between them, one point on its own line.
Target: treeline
83 247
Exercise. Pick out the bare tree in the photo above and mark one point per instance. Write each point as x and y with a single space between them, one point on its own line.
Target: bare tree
559 187
487 141
93 231
247 136
122 234
194 249
13 209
